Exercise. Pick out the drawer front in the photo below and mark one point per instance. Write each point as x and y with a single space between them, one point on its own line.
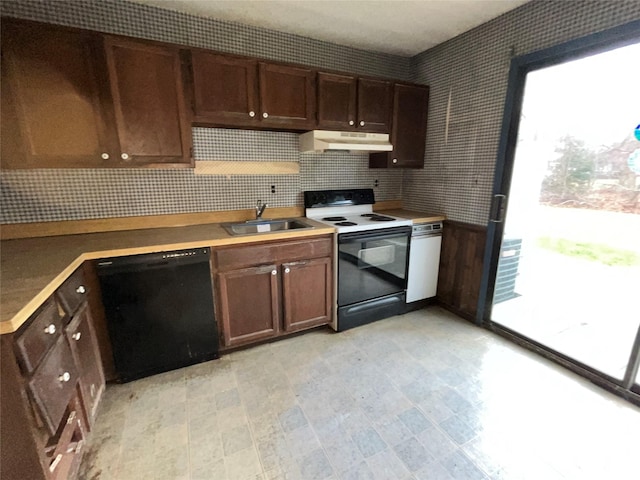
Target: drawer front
34 343
241 257
72 292
53 384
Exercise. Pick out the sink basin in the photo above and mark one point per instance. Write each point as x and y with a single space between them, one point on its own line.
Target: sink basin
253 227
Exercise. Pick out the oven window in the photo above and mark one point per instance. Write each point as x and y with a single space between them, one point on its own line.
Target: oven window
371 265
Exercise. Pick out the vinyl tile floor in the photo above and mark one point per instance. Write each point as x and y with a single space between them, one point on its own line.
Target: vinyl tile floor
424 395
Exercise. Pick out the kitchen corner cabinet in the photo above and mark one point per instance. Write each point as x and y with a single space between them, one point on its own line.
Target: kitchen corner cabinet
54 113
78 99
346 102
267 290
51 385
242 92
409 129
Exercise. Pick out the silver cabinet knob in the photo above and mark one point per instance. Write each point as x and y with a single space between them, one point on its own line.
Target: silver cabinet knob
274 272
252 114
125 156
65 377
265 115
351 122
395 160
50 329
287 270
76 336
81 289
105 156
362 123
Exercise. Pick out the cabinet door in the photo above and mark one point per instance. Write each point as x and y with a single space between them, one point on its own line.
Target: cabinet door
409 129
225 89
307 292
147 89
336 101
287 96
84 348
54 383
53 103
249 304
374 105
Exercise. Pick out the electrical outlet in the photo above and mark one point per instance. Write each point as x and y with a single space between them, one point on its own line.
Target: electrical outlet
375 183
273 189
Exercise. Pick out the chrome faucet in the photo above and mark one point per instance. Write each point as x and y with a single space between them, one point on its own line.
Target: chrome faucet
260 207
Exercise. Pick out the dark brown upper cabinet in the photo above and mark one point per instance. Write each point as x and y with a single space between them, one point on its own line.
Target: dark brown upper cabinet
73 98
236 91
54 112
287 96
346 102
374 105
409 131
337 100
225 89
148 95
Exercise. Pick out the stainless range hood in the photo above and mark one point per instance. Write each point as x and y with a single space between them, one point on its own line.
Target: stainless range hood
318 141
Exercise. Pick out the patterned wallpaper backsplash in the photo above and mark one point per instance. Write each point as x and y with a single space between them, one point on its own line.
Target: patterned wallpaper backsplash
74 194
473 68
66 194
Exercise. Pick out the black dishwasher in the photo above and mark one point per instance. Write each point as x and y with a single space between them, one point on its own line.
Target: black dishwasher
159 310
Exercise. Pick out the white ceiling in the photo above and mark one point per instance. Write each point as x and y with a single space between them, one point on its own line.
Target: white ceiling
394 26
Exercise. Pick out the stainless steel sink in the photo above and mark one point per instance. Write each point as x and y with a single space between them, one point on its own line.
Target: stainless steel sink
255 227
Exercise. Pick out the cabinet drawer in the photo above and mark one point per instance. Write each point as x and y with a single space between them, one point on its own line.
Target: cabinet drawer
241 257
53 384
34 343
72 292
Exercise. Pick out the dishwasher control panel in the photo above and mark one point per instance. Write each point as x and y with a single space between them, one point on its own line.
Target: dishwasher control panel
434 228
186 253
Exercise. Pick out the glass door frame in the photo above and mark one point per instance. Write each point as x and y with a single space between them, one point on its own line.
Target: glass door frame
600 42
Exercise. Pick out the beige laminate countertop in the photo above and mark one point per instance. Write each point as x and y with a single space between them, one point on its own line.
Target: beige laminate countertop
417 217
32 269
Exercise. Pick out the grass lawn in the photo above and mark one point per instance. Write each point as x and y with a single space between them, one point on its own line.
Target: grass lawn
595 252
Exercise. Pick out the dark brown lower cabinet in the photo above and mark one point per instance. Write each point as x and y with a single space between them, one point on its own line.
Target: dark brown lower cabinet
461 263
306 288
249 304
51 385
84 347
289 288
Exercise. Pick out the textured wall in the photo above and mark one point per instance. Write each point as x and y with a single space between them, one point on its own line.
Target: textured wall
47 195
473 67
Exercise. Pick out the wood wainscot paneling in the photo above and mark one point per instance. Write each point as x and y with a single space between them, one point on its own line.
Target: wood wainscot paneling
461 262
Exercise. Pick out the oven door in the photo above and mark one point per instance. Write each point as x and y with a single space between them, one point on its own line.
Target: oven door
372 264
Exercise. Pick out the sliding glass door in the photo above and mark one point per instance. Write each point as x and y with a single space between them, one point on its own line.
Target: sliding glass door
564 250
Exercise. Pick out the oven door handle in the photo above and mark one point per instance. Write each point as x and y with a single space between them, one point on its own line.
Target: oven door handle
359 236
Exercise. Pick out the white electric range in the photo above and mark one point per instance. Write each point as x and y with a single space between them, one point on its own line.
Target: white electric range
372 255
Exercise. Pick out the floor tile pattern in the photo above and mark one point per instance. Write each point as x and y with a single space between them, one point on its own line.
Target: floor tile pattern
419 396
